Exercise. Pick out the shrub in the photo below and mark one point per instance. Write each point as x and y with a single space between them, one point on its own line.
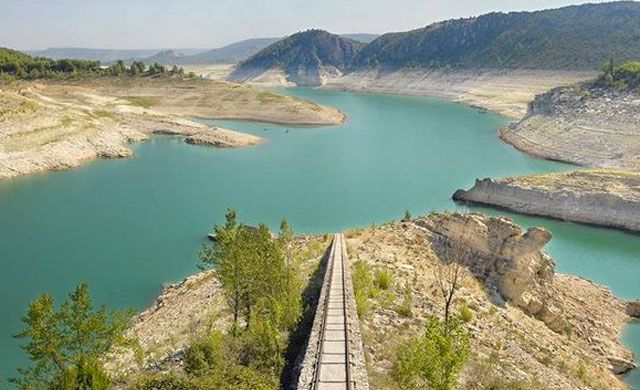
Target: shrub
362 286
383 279
85 374
405 308
435 359
466 315
205 354
171 381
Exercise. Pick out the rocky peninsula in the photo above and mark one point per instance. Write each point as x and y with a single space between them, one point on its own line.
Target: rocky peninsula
531 327
56 125
601 197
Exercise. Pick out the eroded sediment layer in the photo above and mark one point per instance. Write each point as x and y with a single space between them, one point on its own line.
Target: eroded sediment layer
601 197
582 124
530 326
507 92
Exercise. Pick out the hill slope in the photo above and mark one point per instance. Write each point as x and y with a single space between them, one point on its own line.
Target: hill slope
102 55
575 37
306 58
232 53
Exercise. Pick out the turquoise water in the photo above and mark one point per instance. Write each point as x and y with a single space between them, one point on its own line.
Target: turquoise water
128 226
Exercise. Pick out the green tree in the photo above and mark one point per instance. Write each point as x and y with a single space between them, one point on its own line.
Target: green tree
137 68
65 343
293 281
118 68
225 258
435 359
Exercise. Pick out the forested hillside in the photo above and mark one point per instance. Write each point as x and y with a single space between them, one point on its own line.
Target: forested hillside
305 50
17 65
575 37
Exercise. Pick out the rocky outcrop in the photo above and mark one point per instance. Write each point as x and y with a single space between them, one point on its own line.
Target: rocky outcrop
600 197
221 138
581 124
508 259
504 264
633 308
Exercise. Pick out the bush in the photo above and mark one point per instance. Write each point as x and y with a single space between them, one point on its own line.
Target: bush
362 286
466 315
205 354
383 279
405 308
86 374
171 381
435 359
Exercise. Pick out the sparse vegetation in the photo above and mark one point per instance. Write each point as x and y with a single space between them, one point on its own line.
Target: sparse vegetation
625 77
406 306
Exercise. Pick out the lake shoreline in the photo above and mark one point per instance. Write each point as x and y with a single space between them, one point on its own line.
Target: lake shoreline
53 126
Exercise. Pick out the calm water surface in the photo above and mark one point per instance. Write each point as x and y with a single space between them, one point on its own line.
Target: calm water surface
129 226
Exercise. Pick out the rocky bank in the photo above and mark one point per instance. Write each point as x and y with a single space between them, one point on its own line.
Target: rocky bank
583 124
531 327
602 197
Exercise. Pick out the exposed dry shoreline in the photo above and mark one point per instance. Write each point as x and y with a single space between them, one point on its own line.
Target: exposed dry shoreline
581 124
52 126
601 197
507 92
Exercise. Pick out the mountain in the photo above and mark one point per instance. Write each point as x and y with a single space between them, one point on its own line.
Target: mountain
574 37
102 55
366 38
165 57
232 53
306 58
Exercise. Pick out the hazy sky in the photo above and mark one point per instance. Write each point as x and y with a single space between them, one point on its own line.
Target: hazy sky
37 24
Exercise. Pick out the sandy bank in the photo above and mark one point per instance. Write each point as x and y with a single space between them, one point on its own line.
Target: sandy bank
506 92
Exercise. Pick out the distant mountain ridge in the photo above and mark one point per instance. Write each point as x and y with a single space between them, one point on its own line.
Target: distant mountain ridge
102 55
581 37
573 37
232 53
366 38
306 57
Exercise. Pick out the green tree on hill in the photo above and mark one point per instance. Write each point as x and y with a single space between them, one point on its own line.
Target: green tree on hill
65 343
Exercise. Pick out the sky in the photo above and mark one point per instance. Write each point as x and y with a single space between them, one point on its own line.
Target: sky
157 24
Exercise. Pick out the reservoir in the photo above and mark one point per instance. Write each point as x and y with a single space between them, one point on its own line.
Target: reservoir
129 226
